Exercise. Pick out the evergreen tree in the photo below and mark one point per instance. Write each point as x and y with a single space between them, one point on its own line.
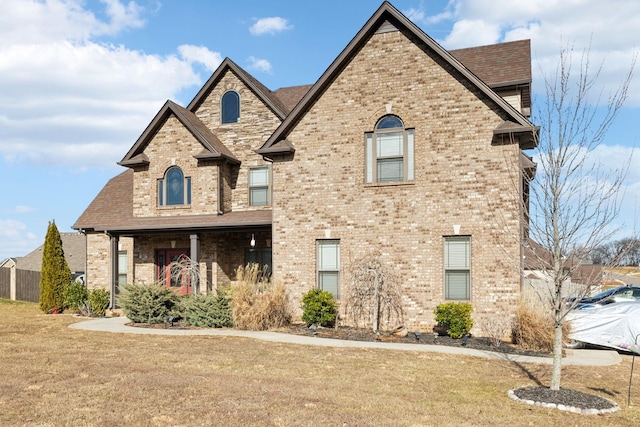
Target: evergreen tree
55 273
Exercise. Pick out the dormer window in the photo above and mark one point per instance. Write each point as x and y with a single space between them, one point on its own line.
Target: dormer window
174 188
389 152
230 107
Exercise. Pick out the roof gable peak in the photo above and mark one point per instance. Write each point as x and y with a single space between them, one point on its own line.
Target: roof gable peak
385 19
213 148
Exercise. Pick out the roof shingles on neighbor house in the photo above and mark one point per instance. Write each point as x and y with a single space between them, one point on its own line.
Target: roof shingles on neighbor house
74 246
401 150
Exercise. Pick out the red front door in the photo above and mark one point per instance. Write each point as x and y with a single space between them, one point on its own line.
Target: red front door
171 271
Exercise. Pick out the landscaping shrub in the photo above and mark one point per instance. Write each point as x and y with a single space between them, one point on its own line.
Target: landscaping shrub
148 303
533 328
55 273
319 307
257 304
75 294
98 301
456 317
207 311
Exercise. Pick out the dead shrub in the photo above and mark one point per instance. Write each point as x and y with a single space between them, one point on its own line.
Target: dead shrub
497 329
533 329
256 303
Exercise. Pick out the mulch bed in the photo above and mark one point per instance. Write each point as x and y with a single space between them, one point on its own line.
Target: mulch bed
361 334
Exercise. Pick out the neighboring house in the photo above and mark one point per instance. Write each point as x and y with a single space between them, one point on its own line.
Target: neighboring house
400 148
24 284
584 277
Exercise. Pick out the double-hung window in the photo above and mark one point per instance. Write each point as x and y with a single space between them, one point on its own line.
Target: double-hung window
328 261
259 194
389 152
457 268
174 188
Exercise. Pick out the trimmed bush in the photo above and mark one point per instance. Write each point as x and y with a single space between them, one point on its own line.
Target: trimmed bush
207 311
456 317
319 307
148 303
75 294
98 301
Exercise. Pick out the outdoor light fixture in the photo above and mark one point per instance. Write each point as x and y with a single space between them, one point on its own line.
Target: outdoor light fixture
253 241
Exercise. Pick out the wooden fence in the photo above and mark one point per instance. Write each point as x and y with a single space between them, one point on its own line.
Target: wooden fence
5 283
27 285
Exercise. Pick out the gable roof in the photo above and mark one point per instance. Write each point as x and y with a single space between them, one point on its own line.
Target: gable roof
213 148
388 17
112 211
498 65
273 102
75 253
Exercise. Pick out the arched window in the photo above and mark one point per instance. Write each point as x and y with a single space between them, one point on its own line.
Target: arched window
174 188
389 151
230 107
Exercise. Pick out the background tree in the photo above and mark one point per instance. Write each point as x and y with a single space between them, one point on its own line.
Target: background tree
575 198
55 274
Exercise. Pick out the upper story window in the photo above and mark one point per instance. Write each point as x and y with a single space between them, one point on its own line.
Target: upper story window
259 194
230 107
389 151
174 188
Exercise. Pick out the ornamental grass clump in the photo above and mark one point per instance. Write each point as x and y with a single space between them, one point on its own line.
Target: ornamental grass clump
533 328
455 317
256 303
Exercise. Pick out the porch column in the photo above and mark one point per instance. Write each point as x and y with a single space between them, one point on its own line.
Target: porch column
113 249
195 259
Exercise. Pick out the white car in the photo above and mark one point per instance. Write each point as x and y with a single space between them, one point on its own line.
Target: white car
613 325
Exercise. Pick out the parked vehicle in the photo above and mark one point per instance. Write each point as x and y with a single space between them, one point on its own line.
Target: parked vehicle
618 294
612 325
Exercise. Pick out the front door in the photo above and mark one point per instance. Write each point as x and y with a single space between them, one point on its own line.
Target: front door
171 269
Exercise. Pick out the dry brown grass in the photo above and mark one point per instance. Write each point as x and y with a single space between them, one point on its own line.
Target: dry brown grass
55 376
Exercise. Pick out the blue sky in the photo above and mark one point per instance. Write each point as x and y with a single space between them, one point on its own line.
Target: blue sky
80 80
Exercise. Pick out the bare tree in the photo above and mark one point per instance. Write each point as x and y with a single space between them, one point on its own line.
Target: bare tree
374 293
575 198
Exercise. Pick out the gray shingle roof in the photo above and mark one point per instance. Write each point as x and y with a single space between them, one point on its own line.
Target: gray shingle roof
74 246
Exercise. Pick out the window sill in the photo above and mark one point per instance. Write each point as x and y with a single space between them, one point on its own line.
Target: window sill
388 184
173 207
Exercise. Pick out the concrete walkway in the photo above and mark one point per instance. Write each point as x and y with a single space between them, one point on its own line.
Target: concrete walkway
573 357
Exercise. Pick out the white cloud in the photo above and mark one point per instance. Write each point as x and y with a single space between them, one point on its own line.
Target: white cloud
610 28
200 54
16 240
23 209
270 26
259 64
84 102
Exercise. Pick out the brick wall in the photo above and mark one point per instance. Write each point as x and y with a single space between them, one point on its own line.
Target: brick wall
460 179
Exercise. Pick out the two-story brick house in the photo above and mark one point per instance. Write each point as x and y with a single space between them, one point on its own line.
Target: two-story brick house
400 148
